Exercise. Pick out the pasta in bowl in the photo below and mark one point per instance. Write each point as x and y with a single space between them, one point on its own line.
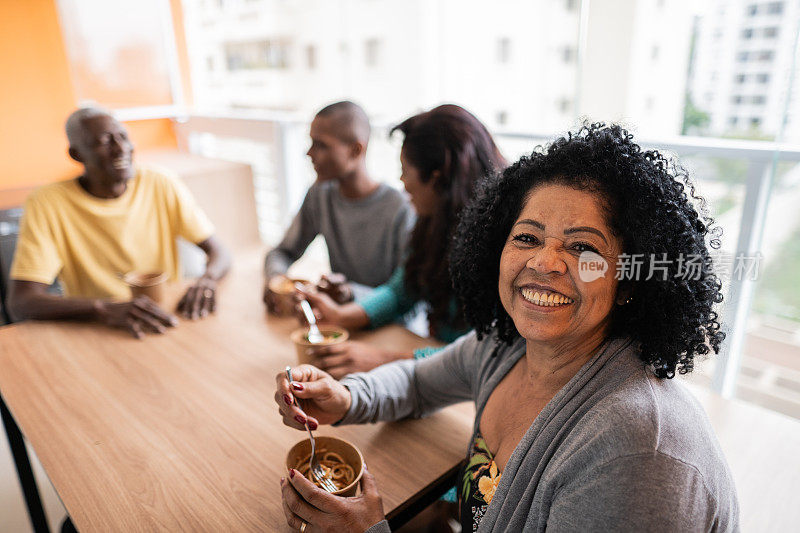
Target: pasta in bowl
341 461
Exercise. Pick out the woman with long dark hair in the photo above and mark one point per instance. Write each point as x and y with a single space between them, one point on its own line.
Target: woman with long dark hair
445 152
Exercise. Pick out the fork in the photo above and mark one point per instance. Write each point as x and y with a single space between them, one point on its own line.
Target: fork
314 467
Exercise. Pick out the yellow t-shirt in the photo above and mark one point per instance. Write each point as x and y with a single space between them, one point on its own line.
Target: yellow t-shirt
89 242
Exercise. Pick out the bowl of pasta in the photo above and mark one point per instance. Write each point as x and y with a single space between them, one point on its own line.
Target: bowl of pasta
342 462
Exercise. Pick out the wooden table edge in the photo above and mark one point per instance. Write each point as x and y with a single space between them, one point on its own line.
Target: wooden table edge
424 497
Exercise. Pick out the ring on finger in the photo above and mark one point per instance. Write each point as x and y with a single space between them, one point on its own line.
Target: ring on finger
208 293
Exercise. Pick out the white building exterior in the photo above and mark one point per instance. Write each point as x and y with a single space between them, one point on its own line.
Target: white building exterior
514 63
743 58
636 63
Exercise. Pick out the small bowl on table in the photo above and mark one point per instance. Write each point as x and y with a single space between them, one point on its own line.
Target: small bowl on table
301 451
331 335
282 289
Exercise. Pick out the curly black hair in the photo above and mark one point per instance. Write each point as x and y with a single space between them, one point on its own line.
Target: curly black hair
652 206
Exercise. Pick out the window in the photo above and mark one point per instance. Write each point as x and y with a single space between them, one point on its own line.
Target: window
311 57
765 55
256 55
329 70
775 8
755 122
118 53
502 118
503 50
759 99
736 99
372 52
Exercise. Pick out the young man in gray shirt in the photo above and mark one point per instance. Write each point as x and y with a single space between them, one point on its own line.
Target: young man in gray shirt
364 223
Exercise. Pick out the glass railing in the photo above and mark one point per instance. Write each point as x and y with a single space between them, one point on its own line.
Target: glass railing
752 188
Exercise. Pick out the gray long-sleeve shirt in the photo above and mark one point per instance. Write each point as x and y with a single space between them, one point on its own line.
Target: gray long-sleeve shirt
616 449
366 238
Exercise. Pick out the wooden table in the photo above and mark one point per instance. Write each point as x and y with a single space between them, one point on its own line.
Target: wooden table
180 431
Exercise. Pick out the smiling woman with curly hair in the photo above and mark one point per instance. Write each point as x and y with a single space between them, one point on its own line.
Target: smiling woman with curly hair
649 203
578 425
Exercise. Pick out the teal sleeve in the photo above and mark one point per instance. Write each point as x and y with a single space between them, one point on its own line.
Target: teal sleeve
422 353
387 302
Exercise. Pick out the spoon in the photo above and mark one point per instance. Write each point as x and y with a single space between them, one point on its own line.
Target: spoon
314 334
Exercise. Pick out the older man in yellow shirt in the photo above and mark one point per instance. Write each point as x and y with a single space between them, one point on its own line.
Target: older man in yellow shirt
113 219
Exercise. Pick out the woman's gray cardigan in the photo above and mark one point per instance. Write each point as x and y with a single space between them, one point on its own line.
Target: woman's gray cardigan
616 449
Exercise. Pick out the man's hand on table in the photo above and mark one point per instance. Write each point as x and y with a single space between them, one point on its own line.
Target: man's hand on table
322 398
138 316
352 356
304 502
199 300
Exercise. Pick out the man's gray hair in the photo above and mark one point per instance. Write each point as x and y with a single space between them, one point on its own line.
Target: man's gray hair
75 121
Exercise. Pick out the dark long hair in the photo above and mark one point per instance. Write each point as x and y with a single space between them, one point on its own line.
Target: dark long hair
451 140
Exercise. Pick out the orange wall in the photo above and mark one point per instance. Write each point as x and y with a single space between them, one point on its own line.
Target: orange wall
36 96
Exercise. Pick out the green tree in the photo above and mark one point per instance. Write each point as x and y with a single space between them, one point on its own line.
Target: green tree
695 120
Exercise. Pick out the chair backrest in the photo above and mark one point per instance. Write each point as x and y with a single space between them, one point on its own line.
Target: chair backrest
224 189
9 229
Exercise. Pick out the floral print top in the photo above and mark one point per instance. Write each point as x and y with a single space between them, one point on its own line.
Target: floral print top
479 480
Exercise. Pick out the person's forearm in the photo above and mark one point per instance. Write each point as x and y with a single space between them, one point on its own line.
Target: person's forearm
415 388
276 263
218 265
386 393
395 355
353 316
52 307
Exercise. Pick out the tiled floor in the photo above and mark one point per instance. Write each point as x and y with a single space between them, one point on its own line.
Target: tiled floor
13 513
